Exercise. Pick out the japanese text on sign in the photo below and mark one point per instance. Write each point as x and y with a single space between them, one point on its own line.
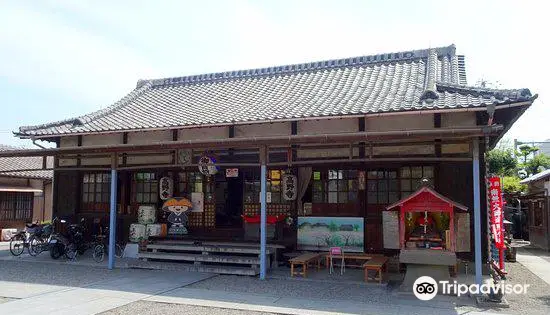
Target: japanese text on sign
496 211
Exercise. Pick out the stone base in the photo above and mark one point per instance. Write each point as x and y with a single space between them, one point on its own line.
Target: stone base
414 271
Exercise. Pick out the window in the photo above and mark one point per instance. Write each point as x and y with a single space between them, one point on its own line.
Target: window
190 182
145 188
335 186
382 187
96 189
16 206
252 186
411 178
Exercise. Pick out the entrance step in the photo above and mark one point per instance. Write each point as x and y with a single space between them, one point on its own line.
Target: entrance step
208 248
201 258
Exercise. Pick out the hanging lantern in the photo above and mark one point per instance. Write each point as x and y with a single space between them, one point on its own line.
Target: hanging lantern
290 190
207 165
166 188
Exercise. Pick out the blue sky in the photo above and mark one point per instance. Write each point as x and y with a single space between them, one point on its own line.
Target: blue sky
66 58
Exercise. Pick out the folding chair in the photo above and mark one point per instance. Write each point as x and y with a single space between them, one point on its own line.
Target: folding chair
336 251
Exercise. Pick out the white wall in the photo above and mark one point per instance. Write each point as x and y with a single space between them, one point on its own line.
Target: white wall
402 122
258 130
460 119
203 133
313 127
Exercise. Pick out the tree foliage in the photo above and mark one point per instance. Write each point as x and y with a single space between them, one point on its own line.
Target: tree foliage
502 162
511 185
537 164
525 150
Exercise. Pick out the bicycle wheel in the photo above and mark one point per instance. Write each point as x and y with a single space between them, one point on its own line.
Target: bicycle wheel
119 251
71 251
17 245
99 253
36 245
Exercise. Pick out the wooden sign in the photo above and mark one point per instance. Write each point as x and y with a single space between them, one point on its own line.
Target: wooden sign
390 226
185 157
462 228
290 189
166 188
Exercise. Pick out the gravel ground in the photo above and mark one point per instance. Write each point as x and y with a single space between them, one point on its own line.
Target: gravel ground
153 308
297 289
537 300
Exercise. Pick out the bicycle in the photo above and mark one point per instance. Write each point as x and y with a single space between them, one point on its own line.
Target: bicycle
21 239
39 241
102 248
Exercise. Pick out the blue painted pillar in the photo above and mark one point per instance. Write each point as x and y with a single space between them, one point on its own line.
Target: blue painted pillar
263 210
477 212
112 219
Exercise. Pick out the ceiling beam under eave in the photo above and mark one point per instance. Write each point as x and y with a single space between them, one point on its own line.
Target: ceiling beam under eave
250 142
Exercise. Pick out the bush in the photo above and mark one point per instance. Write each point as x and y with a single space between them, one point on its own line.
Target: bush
511 185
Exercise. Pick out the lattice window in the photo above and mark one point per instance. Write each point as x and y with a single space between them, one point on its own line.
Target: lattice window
16 206
252 186
335 186
96 191
145 188
411 178
382 187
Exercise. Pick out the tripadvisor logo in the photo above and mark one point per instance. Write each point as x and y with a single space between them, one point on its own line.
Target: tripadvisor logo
425 288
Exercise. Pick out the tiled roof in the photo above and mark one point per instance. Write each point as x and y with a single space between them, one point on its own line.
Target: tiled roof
536 177
404 81
16 164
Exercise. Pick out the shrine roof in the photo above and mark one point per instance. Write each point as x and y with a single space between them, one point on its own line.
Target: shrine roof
411 198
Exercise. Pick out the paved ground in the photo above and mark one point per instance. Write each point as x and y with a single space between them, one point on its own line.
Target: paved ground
154 308
34 286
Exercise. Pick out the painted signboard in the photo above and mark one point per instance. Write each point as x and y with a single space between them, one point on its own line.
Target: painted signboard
321 233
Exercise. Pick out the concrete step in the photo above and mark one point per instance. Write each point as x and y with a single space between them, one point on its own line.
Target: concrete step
201 258
217 243
206 248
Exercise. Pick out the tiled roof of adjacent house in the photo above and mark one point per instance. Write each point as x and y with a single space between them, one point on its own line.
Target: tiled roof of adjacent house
15 165
536 177
395 82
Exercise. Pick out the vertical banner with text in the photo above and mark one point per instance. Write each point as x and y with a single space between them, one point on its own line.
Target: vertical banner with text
496 211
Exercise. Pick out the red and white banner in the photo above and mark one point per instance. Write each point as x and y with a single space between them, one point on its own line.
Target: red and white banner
497 213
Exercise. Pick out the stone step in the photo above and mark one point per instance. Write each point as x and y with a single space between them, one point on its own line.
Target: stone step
213 249
201 258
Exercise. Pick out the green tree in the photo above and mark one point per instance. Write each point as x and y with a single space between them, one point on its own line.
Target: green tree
356 227
333 227
511 185
537 164
502 162
525 150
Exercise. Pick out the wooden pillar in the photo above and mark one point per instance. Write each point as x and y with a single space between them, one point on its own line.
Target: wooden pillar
402 226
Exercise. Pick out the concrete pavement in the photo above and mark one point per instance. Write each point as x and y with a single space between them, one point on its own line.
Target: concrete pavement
535 263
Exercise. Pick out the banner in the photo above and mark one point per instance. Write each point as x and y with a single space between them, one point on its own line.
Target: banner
496 211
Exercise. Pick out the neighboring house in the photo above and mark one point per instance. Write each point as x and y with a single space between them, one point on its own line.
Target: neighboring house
360 133
25 190
538 214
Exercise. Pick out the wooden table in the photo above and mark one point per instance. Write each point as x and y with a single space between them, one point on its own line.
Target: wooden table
364 257
377 265
304 260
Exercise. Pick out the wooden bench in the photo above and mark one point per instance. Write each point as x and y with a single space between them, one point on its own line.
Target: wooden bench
304 260
376 264
352 256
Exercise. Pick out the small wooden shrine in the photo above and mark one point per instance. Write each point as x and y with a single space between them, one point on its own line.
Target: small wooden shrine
427 221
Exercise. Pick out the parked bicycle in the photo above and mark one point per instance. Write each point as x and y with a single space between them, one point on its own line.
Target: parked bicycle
32 234
38 242
102 246
69 244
